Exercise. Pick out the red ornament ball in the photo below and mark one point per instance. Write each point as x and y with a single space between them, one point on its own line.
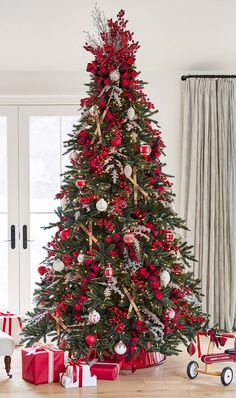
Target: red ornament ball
128 238
116 142
145 149
65 234
191 349
42 270
90 339
80 183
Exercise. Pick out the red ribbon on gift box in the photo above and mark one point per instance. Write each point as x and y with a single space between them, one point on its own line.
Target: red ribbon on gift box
74 366
8 317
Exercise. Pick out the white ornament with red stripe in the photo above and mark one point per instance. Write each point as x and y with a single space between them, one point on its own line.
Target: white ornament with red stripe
128 238
114 75
109 273
94 317
131 114
120 348
169 237
145 149
164 278
80 183
169 314
101 205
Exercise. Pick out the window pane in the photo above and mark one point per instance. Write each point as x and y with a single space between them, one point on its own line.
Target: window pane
44 162
3 164
4 263
40 238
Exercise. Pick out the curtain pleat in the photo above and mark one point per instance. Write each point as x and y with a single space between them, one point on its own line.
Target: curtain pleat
208 191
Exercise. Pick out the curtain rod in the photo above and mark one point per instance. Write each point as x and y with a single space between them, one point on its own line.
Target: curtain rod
207 76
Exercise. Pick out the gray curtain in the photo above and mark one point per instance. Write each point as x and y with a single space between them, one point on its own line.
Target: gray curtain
208 190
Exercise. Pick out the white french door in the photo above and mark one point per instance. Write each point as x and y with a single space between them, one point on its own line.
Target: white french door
31 147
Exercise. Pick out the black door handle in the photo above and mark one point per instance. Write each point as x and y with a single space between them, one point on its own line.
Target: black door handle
13 236
24 236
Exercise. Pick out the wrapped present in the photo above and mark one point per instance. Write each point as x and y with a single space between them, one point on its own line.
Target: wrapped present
11 324
77 375
106 370
42 363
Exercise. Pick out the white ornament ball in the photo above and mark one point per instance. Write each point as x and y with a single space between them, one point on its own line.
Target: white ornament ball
74 156
170 314
114 75
93 111
58 265
128 170
164 278
94 316
101 205
131 113
80 258
77 215
120 348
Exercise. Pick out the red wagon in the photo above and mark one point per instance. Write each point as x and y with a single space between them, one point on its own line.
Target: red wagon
229 355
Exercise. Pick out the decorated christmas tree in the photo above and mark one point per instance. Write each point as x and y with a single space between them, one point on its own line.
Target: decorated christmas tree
116 277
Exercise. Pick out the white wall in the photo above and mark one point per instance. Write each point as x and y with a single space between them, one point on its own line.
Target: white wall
41 50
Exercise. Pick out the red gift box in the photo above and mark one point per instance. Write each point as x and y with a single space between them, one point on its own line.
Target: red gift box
11 324
41 365
105 370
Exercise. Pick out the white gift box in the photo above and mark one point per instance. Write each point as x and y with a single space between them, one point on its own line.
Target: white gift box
11 324
78 375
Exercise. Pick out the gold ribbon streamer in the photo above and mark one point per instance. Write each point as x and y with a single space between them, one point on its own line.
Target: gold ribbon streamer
132 304
137 187
89 232
59 324
98 128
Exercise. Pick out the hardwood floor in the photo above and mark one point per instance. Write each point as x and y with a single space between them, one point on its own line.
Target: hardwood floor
168 380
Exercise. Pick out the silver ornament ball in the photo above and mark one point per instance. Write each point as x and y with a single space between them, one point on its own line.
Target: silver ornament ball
94 317
128 170
101 205
93 111
120 348
114 75
58 265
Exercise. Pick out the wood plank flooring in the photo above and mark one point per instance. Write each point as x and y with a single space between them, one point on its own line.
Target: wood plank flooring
166 381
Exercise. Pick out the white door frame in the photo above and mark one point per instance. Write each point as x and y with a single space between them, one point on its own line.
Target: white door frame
11 113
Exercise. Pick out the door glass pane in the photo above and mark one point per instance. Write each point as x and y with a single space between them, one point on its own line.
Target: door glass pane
3 164
47 134
3 263
3 215
44 162
42 237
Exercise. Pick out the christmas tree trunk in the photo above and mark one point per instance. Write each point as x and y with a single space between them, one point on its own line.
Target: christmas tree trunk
115 279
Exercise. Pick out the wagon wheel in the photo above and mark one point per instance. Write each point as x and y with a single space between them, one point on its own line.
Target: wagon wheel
192 369
226 376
